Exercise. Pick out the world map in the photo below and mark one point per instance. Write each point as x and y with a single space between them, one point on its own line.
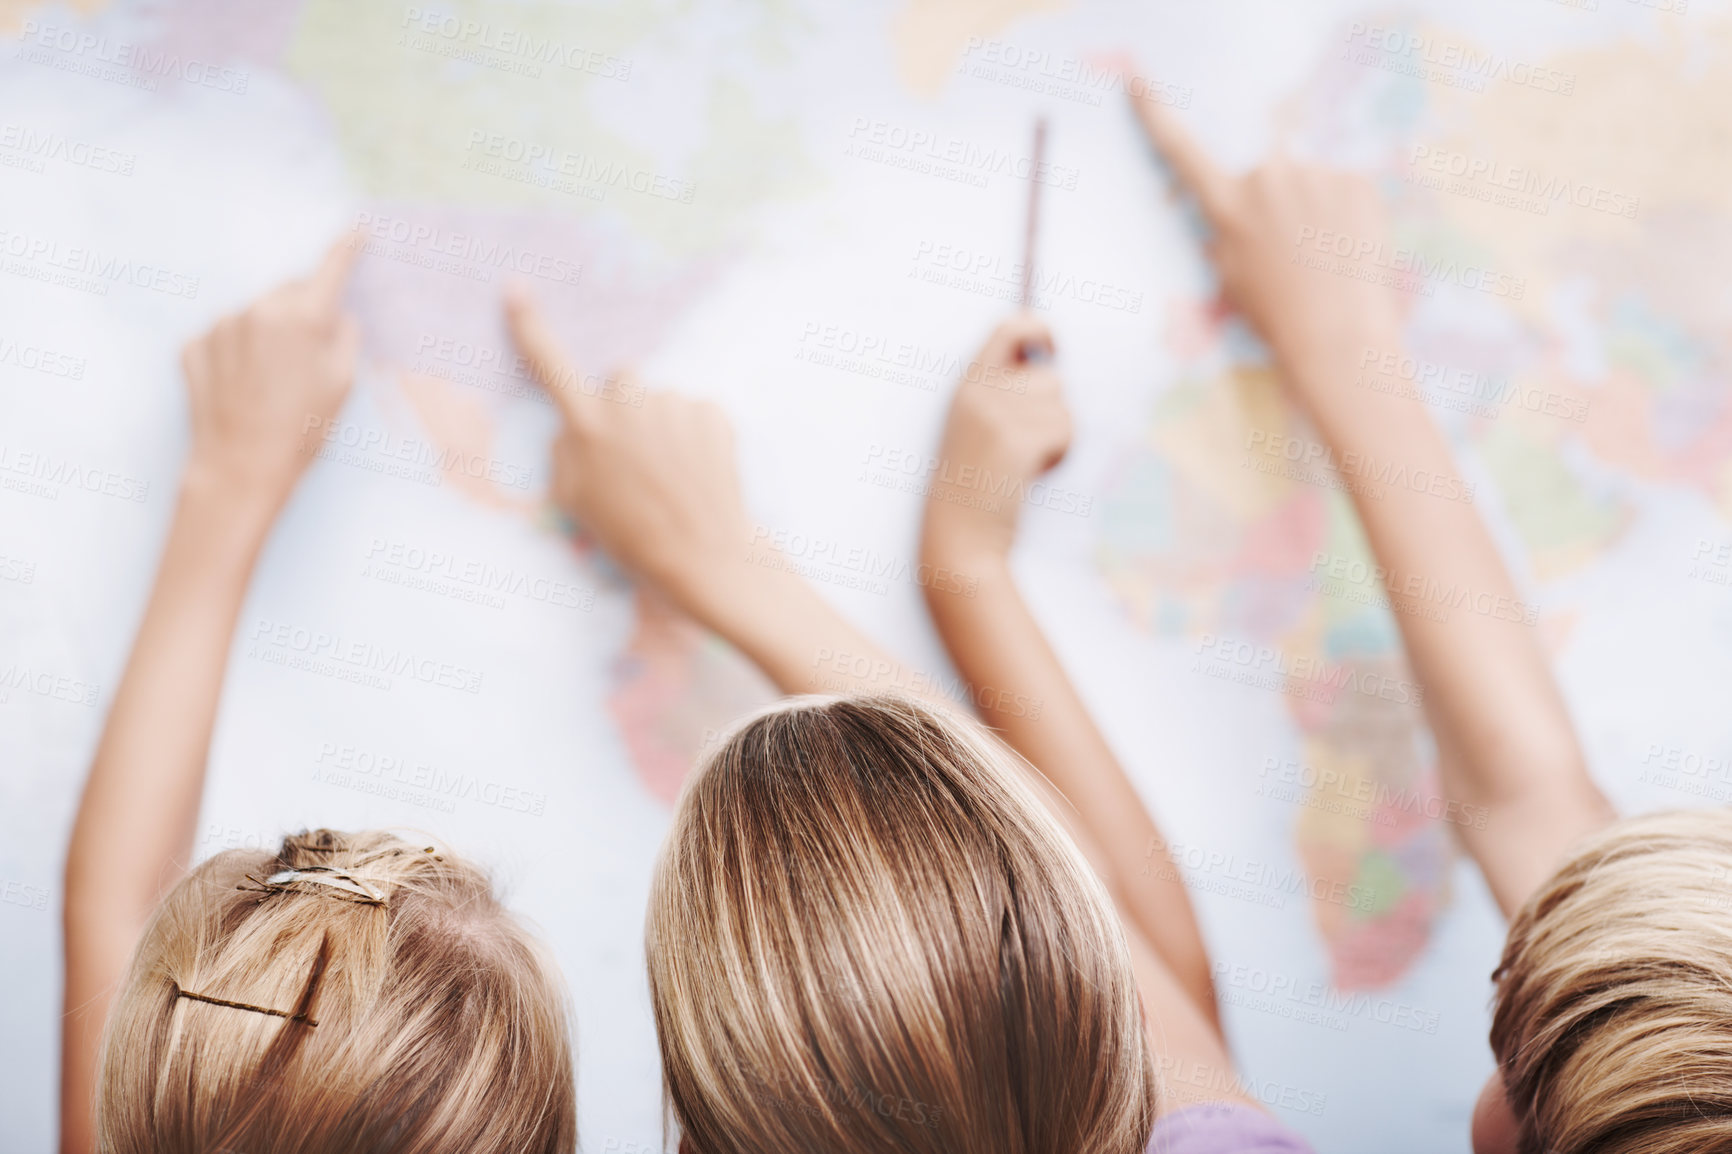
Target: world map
1604 369
812 214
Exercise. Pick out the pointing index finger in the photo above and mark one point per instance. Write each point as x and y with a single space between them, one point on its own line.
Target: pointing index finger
1196 169
547 359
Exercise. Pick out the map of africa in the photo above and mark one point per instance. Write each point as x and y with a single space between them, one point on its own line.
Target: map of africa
811 213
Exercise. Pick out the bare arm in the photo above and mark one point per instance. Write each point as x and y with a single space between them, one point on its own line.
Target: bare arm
252 381
1505 741
792 634
1504 737
134 829
1008 423
655 484
656 487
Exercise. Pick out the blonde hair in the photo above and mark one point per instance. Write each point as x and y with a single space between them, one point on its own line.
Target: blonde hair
350 992
866 934
1613 1020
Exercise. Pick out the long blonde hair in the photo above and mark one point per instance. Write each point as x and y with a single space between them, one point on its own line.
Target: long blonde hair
349 992
1613 1021
866 934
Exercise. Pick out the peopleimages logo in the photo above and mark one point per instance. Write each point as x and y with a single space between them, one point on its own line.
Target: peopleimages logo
347 659
563 170
16 893
1676 759
885 141
1189 1081
462 250
986 274
794 1094
1418 589
40 146
967 484
88 52
1463 390
849 566
1314 461
43 474
17 569
839 671
41 360
21 678
1264 666
448 35
467 578
1253 880
1352 794
1371 259
1298 999
876 356
1077 78
91 269
352 766
384 448
1431 57
1522 180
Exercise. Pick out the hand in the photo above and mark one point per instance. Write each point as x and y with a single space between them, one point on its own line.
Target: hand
262 378
1008 424
1266 224
650 476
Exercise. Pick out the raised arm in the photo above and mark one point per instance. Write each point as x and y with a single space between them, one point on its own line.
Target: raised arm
1505 741
1008 424
651 476
655 484
253 382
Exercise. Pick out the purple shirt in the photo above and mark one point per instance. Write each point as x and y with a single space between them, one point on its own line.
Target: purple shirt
1223 1128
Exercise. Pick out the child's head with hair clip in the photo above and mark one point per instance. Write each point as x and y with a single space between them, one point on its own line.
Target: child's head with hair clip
866 934
350 992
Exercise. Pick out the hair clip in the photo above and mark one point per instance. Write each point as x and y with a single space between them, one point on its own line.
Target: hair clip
208 1000
337 879
328 876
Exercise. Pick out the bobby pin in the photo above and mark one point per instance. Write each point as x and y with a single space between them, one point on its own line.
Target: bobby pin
337 879
180 993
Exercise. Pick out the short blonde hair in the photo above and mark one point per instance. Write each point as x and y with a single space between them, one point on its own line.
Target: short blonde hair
866 934
1613 1020
299 1015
